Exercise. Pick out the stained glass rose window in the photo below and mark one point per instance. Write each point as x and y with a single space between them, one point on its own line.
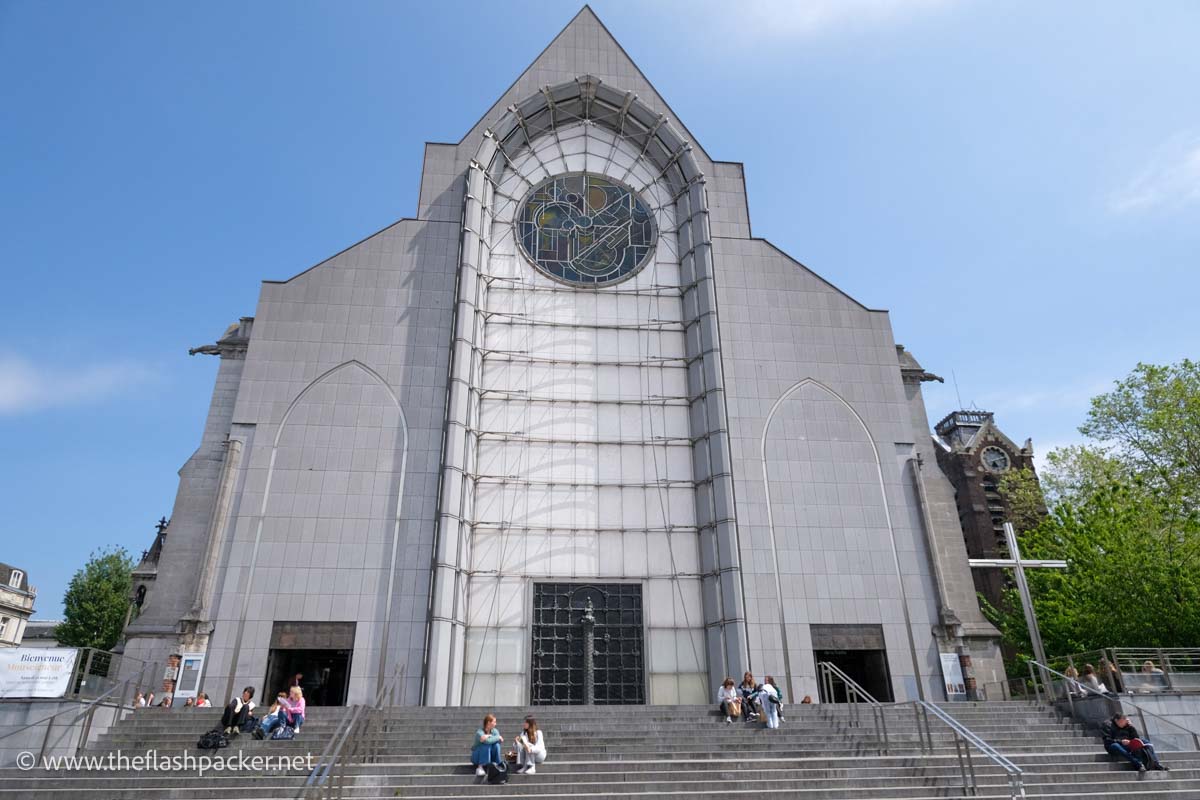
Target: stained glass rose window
585 230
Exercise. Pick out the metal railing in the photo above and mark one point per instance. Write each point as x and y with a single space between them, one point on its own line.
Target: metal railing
96 671
355 740
831 678
116 695
1081 702
964 740
1142 670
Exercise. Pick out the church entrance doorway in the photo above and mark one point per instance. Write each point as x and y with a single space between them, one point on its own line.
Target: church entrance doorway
587 644
860 652
868 668
319 652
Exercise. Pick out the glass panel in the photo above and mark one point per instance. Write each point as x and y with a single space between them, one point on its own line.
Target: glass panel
585 230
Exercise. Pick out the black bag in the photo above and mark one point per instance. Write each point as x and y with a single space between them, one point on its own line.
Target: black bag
213 740
497 773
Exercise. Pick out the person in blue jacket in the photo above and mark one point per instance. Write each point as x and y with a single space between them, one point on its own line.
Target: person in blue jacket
485 747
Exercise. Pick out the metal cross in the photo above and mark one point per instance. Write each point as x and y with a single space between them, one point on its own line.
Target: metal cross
1018 566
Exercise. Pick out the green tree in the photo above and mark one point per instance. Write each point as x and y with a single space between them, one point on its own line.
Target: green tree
1125 514
1132 580
1150 421
96 601
1026 502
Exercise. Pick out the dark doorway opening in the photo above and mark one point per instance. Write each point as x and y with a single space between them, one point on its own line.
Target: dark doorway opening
868 668
326 674
559 664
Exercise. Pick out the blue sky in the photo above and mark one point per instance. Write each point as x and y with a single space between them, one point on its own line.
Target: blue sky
1019 183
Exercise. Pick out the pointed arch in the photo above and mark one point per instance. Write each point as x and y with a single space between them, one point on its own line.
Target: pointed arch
796 387
320 380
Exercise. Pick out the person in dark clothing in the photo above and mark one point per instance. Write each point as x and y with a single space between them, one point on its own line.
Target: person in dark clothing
236 713
1121 739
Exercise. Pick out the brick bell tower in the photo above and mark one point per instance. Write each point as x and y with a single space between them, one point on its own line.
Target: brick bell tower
975 454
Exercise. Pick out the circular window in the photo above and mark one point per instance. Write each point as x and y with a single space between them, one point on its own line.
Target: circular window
994 459
585 230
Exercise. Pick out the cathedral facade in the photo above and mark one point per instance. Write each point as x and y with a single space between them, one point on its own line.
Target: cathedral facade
570 434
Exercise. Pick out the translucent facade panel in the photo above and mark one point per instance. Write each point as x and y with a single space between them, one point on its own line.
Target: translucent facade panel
583 454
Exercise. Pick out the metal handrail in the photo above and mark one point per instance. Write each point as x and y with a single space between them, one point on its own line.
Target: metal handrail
964 736
827 672
321 771
88 711
1072 684
326 779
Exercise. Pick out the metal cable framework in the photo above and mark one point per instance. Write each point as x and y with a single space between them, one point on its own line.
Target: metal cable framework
577 413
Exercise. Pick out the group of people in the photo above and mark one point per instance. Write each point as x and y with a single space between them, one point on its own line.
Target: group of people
528 751
147 700
287 710
1108 679
752 701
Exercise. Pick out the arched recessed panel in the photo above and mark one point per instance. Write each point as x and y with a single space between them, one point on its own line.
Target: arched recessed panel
830 531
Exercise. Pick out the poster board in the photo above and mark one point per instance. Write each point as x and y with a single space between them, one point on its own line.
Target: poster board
36 671
956 687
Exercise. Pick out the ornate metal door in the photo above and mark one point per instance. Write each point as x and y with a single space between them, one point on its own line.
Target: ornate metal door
559 669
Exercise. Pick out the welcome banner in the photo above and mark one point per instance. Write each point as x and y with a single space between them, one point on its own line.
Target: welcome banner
36 672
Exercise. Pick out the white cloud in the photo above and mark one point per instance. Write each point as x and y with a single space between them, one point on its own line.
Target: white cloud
26 386
790 19
1169 180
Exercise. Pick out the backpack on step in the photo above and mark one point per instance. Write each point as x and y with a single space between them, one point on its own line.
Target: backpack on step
213 740
497 773
284 732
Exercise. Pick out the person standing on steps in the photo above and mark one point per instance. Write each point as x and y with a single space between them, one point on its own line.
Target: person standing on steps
729 700
531 747
768 699
1121 739
485 747
779 694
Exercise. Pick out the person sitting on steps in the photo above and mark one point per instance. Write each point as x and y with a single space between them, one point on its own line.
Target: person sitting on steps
291 712
729 700
531 747
1089 681
485 747
235 714
1121 739
749 689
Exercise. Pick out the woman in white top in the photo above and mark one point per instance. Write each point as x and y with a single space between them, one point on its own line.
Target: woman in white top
768 698
730 701
1090 681
531 747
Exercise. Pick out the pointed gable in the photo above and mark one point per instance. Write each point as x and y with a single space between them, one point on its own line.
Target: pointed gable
584 47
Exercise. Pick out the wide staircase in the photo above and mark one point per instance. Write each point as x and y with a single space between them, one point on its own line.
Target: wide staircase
821 752
623 752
